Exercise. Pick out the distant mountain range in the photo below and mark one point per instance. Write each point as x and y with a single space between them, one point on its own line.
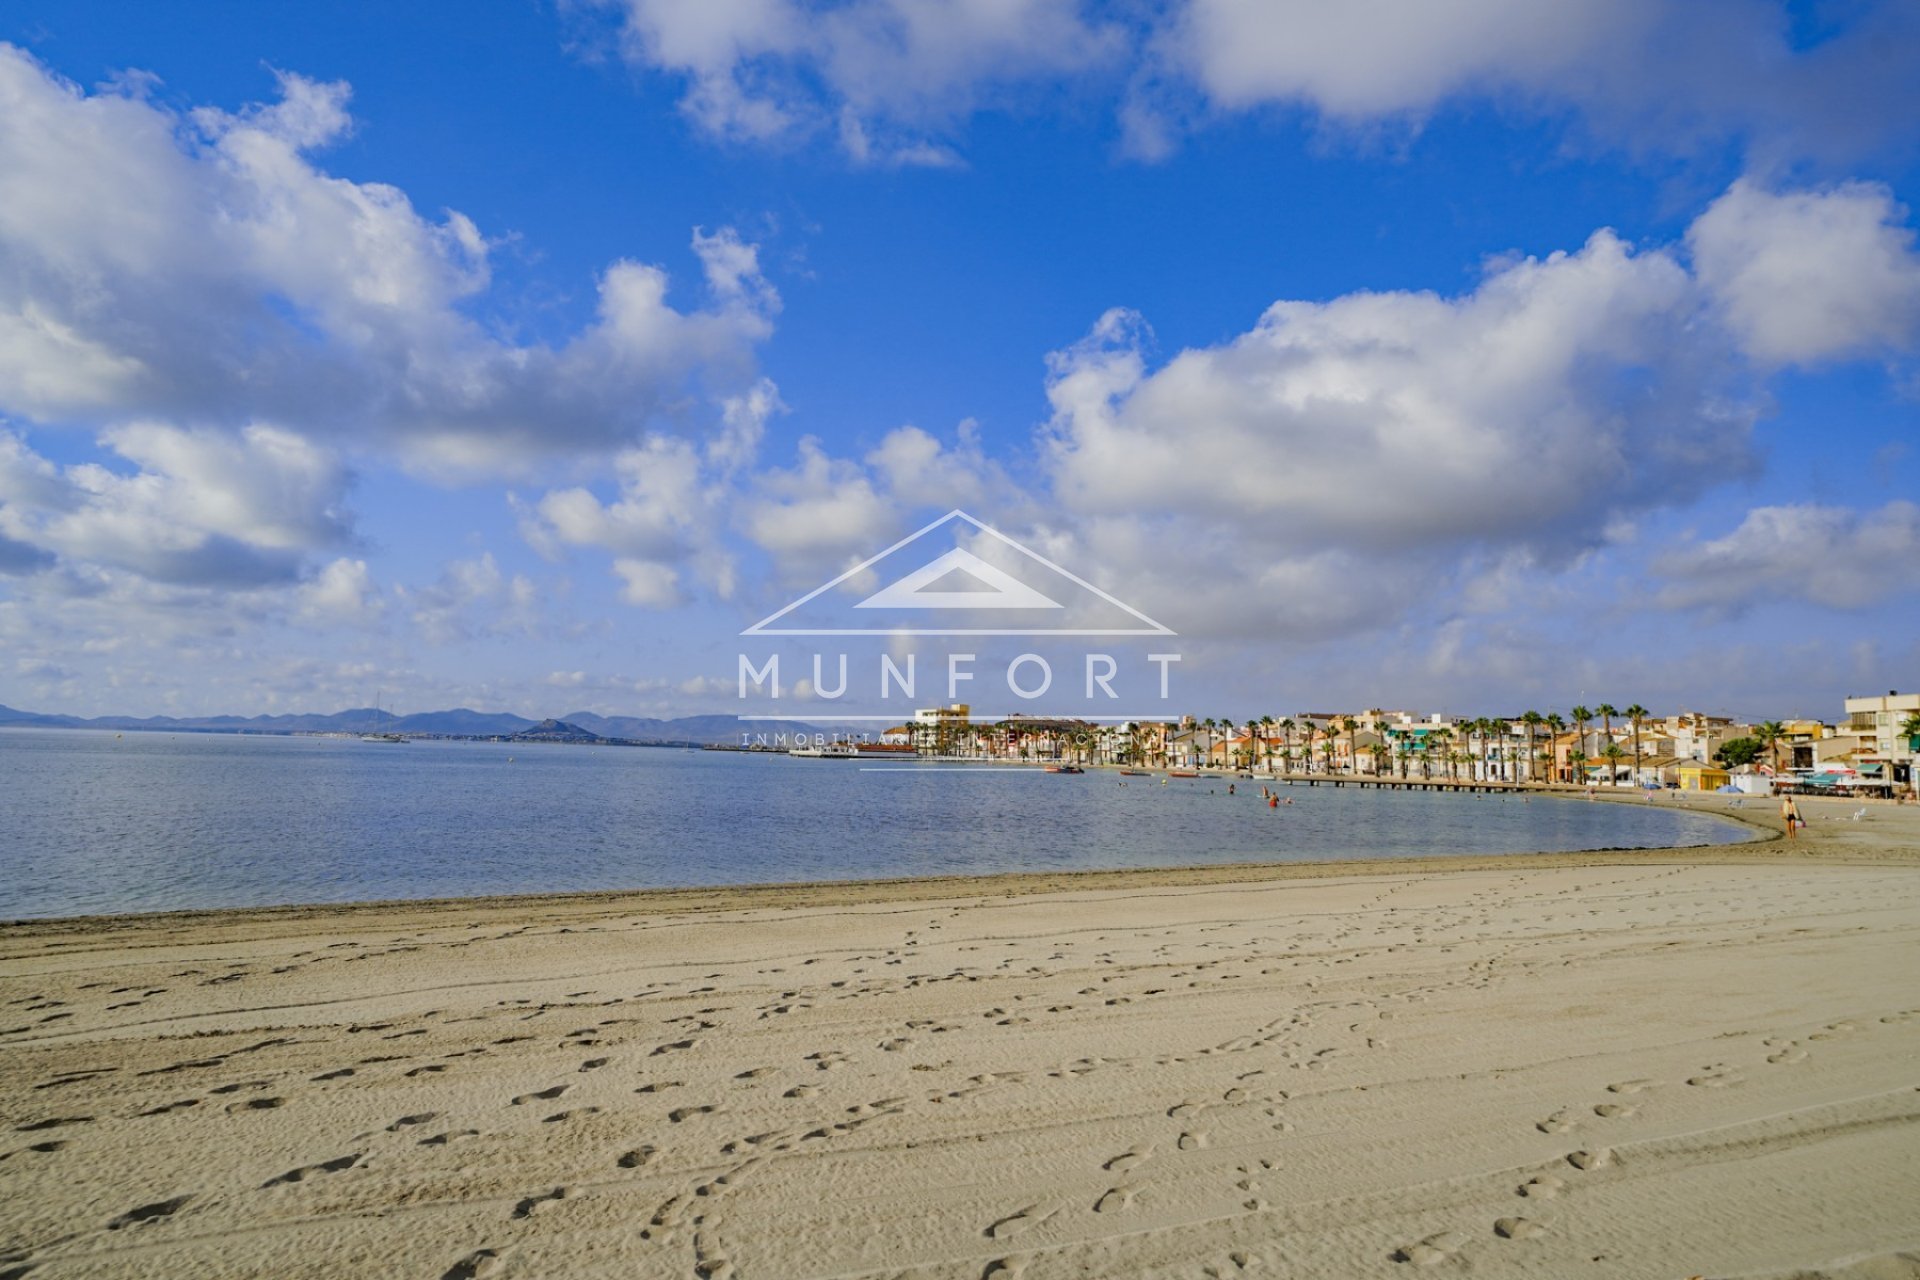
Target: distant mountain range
578 726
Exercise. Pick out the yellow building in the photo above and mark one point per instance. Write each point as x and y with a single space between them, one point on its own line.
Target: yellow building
1694 776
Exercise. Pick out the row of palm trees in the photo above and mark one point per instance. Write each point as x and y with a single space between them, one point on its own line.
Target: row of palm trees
1452 746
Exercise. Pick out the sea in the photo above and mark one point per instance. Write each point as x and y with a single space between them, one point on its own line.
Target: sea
99 822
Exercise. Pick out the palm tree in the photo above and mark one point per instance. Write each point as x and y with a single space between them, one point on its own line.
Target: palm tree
1533 720
1352 727
1266 743
1607 712
1557 726
1614 755
1637 715
1286 741
1576 763
1770 735
1442 740
1312 729
1379 751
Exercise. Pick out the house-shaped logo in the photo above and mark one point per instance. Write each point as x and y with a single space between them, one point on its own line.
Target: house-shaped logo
957 577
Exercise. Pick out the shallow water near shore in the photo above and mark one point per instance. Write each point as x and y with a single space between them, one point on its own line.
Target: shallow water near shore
91 822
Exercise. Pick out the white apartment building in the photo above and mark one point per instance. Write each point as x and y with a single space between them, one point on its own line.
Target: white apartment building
1874 723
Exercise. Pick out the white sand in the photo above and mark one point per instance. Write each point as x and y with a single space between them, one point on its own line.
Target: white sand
1659 1065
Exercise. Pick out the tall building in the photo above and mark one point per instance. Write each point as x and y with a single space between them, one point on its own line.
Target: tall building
1875 724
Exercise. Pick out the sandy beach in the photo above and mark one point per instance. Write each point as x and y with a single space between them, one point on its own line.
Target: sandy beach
1652 1064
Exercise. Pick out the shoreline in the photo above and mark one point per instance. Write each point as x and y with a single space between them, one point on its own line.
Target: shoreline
797 893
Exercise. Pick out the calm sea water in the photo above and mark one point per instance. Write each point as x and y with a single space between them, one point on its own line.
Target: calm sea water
91 822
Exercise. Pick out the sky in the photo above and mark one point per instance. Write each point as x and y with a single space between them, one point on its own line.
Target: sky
1448 355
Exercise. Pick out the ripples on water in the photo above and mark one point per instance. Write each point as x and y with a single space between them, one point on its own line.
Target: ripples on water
91 822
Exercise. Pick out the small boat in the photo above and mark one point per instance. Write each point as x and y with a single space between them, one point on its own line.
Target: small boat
1065 768
833 751
1182 773
376 735
1136 773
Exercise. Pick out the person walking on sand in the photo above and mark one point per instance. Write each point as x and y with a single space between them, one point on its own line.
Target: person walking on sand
1790 814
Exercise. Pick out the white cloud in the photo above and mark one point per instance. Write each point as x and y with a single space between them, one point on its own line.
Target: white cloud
343 592
885 77
1830 556
203 508
669 510
1656 74
202 267
474 598
648 584
890 79
1529 413
1805 276
817 513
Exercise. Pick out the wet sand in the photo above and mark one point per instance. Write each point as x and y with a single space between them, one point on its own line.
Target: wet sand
1664 1063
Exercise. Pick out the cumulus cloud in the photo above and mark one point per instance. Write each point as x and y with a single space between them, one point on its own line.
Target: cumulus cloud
668 510
202 267
1656 74
890 79
1826 555
1806 276
1530 412
472 598
343 592
884 77
201 508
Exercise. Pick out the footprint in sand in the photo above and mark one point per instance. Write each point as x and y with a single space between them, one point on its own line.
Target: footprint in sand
1544 1187
1518 1229
477 1265
407 1122
1714 1078
636 1158
451 1136
1116 1199
148 1213
301 1174
532 1204
54 1123
1434 1250
1586 1161
1615 1111
1631 1086
1196 1140
1128 1160
544 1095
1015 1223
561 1116
1789 1053
1558 1122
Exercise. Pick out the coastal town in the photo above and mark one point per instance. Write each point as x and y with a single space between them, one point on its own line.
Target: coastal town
1870 750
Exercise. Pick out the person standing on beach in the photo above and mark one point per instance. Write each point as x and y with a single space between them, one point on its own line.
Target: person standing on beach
1790 814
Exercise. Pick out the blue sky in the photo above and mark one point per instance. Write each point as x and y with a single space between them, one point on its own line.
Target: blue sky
1439 356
